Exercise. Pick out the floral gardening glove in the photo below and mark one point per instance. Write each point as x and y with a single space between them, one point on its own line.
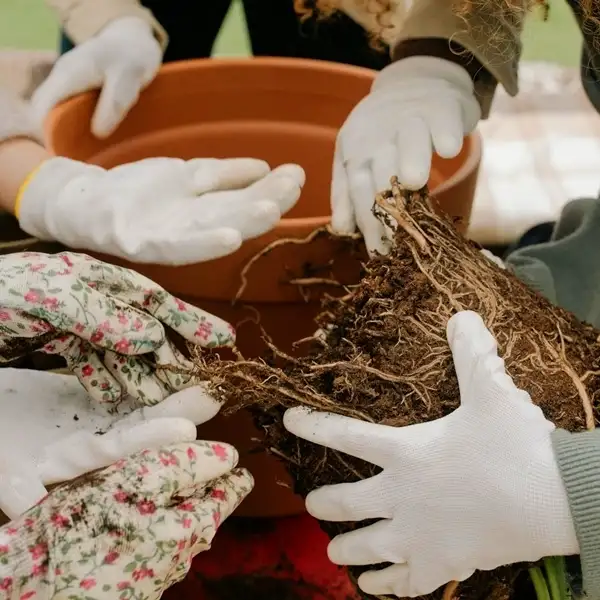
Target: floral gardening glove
128 531
101 318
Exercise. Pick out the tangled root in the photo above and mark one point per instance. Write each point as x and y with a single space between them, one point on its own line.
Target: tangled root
382 356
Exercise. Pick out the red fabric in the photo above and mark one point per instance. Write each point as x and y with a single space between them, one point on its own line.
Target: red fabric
261 559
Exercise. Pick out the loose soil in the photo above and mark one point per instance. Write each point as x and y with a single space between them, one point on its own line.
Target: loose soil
384 357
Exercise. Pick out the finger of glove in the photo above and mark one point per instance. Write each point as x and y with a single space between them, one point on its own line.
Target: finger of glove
365 499
253 219
362 194
186 247
103 320
20 487
370 545
281 186
85 451
198 518
85 363
475 352
386 581
414 151
182 469
193 403
130 289
20 333
343 220
471 112
195 325
149 380
74 73
211 507
368 441
137 378
446 128
405 581
120 92
146 299
173 369
383 167
213 174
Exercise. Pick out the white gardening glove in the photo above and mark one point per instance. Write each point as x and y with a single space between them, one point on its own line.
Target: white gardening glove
121 60
16 118
159 210
416 106
52 431
129 531
476 489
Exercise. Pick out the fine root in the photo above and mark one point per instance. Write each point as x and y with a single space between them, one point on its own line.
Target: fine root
381 356
284 242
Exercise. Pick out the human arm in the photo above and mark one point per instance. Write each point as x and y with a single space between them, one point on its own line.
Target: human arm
21 151
19 157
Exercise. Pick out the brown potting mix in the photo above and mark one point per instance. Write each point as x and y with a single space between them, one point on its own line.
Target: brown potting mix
384 357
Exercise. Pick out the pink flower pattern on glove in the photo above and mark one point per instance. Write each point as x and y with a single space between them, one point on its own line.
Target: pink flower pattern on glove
101 318
128 531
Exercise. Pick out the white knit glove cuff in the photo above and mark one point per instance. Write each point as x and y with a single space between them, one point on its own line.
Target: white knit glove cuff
40 206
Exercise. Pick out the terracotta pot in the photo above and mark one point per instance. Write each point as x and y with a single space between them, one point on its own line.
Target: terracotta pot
280 110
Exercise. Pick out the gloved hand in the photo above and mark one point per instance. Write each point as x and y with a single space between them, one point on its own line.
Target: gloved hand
476 489
416 106
121 60
106 321
130 530
51 432
158 210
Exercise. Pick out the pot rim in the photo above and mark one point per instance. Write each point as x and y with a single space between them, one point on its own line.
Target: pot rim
290 225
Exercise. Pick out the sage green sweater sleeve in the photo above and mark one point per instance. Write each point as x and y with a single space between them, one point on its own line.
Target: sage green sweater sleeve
578 457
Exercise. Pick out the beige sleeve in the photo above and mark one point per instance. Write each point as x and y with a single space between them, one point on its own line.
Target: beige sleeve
491 38
83 19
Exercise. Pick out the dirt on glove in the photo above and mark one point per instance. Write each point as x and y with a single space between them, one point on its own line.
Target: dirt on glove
384 357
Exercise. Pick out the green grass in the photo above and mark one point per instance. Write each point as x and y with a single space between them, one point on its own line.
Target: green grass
29 24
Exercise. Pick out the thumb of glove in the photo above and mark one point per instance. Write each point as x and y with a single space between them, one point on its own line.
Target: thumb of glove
20 487
121 90
73 74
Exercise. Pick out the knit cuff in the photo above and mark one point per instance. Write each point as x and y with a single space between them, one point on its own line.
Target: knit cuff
578 458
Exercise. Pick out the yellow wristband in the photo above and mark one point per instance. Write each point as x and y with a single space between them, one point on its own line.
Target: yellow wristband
22 189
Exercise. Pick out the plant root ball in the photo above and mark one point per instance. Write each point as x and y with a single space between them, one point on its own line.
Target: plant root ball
384 357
